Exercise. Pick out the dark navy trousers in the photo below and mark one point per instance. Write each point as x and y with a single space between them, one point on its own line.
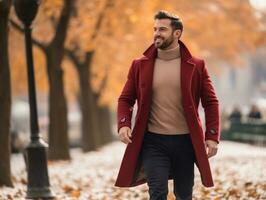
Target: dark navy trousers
165 154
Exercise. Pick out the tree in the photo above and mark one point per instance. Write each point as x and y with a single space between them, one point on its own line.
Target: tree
58 137
95 124
5 96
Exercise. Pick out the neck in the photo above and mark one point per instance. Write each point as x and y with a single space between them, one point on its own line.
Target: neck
169 54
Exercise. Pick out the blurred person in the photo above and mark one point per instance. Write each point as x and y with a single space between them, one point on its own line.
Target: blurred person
254 113
167 138
236 115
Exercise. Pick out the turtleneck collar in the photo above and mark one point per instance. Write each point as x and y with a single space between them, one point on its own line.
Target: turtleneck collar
169 54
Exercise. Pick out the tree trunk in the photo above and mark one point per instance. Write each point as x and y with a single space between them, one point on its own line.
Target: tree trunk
95 117
89 125
58 126
106 125
5 97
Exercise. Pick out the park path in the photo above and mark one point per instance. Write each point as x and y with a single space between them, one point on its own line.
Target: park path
238 169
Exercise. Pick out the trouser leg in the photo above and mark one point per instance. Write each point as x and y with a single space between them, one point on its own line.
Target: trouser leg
156 165
183 168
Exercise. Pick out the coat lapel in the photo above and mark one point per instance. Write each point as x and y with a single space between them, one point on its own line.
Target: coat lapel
147 70
187 69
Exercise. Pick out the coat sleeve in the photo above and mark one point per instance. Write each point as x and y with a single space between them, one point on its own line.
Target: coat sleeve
210 104
127 100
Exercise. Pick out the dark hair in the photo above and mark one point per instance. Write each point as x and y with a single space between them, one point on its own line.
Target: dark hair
176 22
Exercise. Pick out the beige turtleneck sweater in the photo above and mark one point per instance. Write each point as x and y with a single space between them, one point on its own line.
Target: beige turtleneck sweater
167 114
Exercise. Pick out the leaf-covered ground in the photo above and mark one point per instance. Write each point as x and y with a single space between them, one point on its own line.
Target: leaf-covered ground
239 172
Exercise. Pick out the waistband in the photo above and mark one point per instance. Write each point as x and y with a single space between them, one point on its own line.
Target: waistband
165 135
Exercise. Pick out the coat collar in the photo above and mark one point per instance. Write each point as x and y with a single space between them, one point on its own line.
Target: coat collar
151 52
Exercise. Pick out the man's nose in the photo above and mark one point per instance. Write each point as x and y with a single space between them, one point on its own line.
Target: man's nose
156 33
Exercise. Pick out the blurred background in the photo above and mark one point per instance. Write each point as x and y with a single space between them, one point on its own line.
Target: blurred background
81 61
83 50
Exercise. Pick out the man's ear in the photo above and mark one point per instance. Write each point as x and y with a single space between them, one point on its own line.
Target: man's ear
177 33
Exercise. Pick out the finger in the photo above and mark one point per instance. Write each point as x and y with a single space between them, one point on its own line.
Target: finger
212 152
209 154
215 151
126 139
207 147
122 138
124 134
129 133
209 151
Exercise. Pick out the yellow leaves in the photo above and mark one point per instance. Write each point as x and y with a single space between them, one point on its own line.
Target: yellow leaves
72 191
171 196
213 29
132 15
51 6
129 37
233 192
52 3
238 174
68 188
133 18
75 193
89 45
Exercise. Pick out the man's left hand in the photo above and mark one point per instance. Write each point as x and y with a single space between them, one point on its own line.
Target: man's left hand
212 148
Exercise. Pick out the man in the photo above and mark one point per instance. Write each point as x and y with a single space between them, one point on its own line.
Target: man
236 115
167 138
254 113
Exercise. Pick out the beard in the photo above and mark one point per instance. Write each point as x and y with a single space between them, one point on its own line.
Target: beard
163 43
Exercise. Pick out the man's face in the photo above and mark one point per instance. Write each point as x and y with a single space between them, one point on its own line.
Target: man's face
164 36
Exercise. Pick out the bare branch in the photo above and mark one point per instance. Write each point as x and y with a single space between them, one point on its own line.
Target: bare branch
72 56
62 26
88 57
39 44
108 4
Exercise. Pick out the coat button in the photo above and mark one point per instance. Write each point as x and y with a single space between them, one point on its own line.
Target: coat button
213 131
123 120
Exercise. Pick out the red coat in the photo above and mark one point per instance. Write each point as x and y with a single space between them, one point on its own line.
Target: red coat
196 85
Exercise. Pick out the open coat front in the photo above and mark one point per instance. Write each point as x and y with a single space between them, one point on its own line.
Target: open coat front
196 85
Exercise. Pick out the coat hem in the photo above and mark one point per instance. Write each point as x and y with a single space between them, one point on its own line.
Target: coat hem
131 185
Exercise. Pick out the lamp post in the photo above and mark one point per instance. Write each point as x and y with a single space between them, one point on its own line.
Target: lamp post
38 179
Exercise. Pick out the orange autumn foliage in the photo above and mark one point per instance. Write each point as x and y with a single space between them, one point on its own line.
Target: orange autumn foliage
215 30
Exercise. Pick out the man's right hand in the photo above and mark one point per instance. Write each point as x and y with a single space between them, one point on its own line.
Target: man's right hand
125 134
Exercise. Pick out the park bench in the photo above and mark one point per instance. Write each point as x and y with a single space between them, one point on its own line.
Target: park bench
253 132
